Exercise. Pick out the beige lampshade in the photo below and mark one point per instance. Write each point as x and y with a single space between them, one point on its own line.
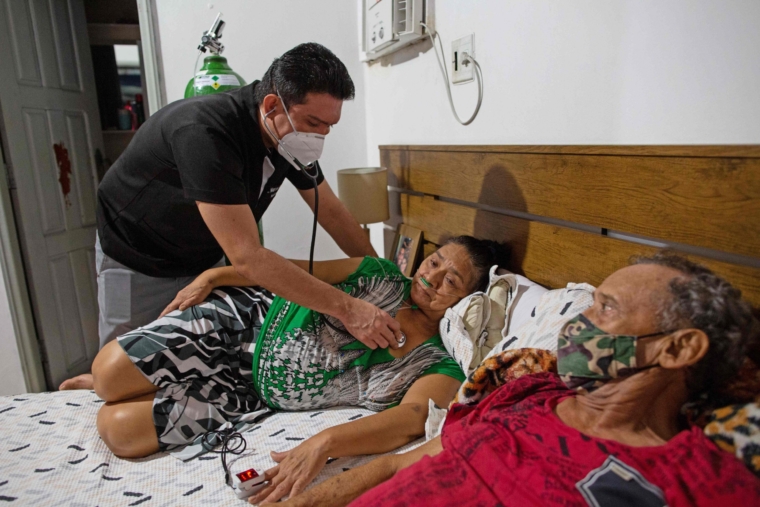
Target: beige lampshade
364 191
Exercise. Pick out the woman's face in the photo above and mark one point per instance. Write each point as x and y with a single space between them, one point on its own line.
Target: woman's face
450 274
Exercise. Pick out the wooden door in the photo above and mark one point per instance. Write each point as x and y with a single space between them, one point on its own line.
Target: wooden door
51 134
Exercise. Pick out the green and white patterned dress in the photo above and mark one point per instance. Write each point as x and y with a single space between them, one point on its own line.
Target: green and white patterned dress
300 363
243 352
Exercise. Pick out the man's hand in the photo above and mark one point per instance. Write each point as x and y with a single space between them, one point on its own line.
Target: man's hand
297 468
234 227
193 294
371 325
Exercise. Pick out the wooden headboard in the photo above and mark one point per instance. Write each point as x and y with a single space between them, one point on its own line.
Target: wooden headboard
578 213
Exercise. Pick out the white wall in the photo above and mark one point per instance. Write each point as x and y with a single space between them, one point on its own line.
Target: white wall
580 72
10 361
256 33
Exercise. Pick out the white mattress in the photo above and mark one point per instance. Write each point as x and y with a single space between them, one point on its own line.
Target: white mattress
51 454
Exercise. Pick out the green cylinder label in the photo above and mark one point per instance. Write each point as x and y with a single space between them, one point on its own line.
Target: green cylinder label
216 80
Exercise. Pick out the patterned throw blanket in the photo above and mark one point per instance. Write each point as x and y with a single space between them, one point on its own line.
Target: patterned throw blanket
501 368
736 428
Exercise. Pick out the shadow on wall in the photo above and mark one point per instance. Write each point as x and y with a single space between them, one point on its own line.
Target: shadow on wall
500 190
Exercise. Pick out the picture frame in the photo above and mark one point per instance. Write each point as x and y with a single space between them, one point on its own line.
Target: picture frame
406 248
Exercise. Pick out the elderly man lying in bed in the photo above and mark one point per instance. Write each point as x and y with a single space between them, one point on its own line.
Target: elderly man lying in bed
242 349
605 431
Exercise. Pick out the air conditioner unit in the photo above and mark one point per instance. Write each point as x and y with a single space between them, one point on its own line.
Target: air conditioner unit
389 25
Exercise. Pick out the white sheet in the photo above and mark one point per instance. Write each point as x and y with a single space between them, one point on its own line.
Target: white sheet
51 454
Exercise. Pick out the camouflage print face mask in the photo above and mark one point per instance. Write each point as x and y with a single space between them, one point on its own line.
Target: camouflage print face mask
588 357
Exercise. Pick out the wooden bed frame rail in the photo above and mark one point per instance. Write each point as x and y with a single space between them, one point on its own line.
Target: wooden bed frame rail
578 213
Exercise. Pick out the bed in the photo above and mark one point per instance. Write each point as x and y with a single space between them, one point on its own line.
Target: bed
577 213
54 456
571 213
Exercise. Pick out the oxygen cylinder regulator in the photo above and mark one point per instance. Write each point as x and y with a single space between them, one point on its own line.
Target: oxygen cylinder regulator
216 75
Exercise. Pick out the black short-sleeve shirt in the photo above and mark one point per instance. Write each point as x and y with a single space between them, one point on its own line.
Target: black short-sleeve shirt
206 149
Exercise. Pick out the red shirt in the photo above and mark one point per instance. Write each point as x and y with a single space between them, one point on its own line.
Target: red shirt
511 449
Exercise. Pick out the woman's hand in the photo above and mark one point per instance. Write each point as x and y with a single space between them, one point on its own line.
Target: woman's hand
193 294
296 469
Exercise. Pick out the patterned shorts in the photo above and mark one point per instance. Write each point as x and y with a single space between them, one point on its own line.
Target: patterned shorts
201 359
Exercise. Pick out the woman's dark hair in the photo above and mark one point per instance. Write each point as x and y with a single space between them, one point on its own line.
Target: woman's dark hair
307 68
484 253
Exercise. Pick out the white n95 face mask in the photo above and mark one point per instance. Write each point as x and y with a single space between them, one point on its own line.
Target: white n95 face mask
301 149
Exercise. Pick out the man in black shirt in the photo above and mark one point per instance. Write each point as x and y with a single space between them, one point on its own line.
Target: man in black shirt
201 172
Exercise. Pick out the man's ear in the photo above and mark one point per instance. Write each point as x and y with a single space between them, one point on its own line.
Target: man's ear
270 102
686 347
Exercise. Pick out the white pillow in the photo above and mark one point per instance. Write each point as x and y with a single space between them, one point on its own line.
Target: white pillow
527 297
553 310
470 329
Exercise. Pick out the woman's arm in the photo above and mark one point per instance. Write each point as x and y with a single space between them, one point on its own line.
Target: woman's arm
375 434
348 486
197 291
394 427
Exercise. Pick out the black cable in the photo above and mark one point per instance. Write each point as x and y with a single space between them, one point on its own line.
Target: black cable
231 441
314 232
316 214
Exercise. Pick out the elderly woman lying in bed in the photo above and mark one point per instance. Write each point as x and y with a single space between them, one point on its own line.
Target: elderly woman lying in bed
242 349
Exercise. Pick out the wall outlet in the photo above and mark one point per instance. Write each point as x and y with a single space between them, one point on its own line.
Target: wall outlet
462 70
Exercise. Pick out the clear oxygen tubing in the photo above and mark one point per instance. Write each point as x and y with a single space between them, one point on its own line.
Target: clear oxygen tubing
478 73
427 284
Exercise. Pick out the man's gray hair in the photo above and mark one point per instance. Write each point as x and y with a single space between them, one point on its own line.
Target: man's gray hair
702 300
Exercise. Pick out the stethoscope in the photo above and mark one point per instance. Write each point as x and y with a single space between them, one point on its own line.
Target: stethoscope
313 177
314 166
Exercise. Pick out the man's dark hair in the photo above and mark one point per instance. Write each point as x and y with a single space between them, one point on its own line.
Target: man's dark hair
483 253
307 68
702 300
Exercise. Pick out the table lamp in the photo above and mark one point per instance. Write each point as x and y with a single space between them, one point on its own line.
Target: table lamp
364 191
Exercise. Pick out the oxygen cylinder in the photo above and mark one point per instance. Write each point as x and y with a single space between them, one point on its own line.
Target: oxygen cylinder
215 76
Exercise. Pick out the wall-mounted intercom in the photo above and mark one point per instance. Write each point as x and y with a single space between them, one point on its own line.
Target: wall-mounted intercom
390 25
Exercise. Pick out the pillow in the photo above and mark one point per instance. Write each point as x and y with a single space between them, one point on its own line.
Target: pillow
554 309
470 329
476 313
526 299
